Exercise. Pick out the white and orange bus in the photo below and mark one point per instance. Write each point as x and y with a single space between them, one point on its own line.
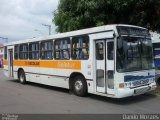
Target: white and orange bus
112 60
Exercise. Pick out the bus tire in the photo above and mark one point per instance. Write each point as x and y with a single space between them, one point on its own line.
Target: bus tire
80 86
22 77
158 81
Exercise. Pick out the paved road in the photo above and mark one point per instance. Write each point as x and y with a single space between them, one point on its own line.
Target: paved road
35 98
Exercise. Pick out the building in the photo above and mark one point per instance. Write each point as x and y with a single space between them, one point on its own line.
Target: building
1 55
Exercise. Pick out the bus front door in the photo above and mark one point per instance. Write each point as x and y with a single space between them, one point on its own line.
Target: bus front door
100 66
110 66
104 66
10 60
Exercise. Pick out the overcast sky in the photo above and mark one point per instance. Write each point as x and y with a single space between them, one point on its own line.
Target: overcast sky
22 19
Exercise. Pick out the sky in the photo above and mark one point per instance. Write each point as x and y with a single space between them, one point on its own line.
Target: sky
23 19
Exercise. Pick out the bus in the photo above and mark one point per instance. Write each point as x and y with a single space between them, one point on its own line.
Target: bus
156 50
111 60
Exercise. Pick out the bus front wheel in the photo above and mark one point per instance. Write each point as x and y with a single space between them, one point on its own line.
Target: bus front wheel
80 86
22 77
158 81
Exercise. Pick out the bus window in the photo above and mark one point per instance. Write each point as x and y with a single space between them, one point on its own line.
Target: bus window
23 52
62 49
110 49
46 50
5 53
99 51
16 52
34 51
80 48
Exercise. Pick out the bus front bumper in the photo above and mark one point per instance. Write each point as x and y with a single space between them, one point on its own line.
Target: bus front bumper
126 92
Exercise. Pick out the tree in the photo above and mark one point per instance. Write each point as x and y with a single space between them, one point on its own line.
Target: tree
79 14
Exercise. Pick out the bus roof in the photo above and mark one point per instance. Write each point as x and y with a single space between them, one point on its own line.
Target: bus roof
72 33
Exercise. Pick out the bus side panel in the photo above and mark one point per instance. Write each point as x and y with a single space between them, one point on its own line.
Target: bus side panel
49 80
15 72
54 77
5 70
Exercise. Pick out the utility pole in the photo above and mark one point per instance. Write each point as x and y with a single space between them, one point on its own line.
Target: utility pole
6 39
38 31
49 28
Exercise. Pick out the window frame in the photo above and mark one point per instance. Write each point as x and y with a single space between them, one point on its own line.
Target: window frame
24 52
87 47
16 52
47 50
34 51
5 53
98 50
62 50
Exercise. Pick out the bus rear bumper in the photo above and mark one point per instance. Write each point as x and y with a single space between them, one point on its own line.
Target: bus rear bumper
121 93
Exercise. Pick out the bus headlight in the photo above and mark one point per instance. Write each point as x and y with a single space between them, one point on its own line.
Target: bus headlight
121 85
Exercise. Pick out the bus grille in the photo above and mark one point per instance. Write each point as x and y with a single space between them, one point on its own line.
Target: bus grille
140 82
141 90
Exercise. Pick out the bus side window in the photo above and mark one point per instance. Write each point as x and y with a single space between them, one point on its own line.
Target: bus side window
23 51
5 53
65 49
80 48
46 50
34 51
16 52
62 49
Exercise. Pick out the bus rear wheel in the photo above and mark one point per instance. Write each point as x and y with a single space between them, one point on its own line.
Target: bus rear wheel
80 86
22 77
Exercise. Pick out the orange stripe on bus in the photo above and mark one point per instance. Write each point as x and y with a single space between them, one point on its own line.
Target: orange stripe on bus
49 64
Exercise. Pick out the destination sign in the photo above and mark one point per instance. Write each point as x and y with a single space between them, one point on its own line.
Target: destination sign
133 31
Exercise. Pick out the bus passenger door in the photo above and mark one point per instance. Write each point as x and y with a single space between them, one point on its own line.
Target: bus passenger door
105 66
110 66
100 66
10 62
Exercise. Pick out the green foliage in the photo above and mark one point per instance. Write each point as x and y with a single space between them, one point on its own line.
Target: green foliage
79 14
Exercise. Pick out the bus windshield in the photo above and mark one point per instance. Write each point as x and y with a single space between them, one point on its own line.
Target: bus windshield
134 54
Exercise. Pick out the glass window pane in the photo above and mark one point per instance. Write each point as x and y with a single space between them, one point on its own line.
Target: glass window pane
80 47
110 50
100 51
5 53
34 51
16 51
23 52
47 50
62 48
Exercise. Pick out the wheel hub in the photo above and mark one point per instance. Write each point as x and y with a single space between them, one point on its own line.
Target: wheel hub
78 85
21 78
